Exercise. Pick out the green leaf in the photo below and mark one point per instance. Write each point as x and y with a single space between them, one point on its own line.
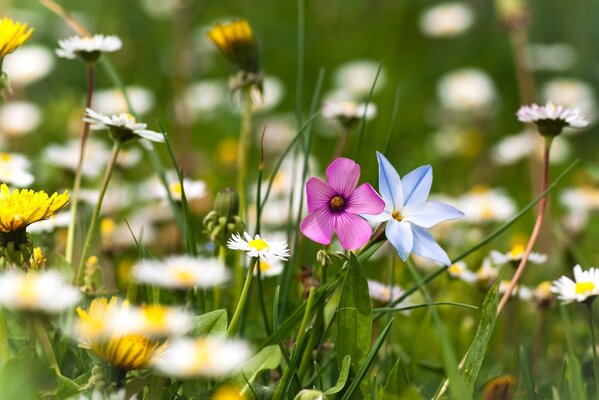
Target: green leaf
397 382
526 380
476 352
343 375
212 323
66 388
354 316
268 358
574 374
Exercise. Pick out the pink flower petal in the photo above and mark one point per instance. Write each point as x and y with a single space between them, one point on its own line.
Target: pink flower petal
343 175
353 232
318 226
318 193
365 200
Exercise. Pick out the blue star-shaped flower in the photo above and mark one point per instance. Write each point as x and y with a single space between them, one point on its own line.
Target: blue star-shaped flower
408 213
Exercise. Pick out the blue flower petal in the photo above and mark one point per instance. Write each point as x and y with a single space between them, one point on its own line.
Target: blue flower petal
390 185
429 213
400 236
425 246
417 185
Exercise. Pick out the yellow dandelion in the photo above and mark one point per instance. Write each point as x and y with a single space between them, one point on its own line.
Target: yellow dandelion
38 259
20 208
235 39
12 35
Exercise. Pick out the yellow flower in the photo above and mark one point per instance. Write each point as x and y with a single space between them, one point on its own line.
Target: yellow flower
38 259
20 208
99 328
12 35
235 40
228 392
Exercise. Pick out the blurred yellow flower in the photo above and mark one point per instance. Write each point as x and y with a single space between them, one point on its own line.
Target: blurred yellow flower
12 35
38 259
20 208
228 392
235 40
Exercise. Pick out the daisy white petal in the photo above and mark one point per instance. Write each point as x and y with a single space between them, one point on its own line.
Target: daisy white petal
181 272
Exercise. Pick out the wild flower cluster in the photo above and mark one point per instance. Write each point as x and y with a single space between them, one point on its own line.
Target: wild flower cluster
360 282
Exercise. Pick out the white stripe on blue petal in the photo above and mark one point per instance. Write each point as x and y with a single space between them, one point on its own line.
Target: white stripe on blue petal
399 234
417 185
390 185
425 246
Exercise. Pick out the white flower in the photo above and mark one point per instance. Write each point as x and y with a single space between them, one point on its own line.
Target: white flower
348 110
280 131
387 293
14 170
514 148
45 292
181 272
123 126
460 271
164 321
273 93
446 20
112 101
357 77
59 220
584 286
205 98
487 273
521 292
466 90
572 93
269 268
567 117
18 118
28 65
117 236
515 255
259 247
193 189
88 46
551 57
212 357
483 204
67 156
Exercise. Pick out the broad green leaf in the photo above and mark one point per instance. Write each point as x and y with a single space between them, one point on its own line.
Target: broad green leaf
397 382
212 323
476 352
66 388
354 316
268 358
343 375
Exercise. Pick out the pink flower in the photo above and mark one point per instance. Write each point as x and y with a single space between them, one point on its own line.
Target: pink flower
336 205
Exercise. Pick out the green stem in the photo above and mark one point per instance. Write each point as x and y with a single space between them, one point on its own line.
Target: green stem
242 149
42 336
589 307
222 257
116 147
242 299
4 346
77 184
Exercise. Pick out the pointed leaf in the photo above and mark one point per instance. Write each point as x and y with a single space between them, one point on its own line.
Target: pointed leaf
212 323
268 358
343 375
397 382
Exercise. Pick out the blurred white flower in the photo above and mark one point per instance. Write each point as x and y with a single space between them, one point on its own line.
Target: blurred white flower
89 48
446 20
181 272
212 357
112 101
453 141
482 204
117 236
551 57
357 77
59 220
279 132
584 286
514 148
387 294
460 270
515 255
18 118
14 170
159 8
467 90
205 98
580 202
269 268
487 273
348 111
66 156
194 189
522 292
119 196
572 93
274 91
44 292
29 64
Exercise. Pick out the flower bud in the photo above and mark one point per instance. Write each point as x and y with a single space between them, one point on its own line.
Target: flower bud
310 394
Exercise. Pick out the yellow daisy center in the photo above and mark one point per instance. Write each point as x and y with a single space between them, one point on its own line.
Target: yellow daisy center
176 189
264 266
155 316
259 244
517 251
28 292
487 211
202 355
184 276
5 157
584 287
455 269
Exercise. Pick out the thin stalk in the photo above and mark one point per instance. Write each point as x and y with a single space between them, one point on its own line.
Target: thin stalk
589 307
42 336
77 183
116 147
222 257
261 299
242 149
242 300
535 232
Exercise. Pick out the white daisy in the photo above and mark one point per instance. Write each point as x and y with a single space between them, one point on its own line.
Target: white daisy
460 271
269 268
519 291
487 274
194 189
45 292
514 148
357 77
59 220
558 116
387 293
259 247
181 272
67 156
484 204
467 90
112 101
88 48
122 127
446 20
14 170
164 321
584 286
19 118
348 111
28 65
515 255
572 93
212 357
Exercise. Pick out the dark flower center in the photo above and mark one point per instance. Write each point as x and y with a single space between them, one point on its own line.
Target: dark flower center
337 203
397 216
